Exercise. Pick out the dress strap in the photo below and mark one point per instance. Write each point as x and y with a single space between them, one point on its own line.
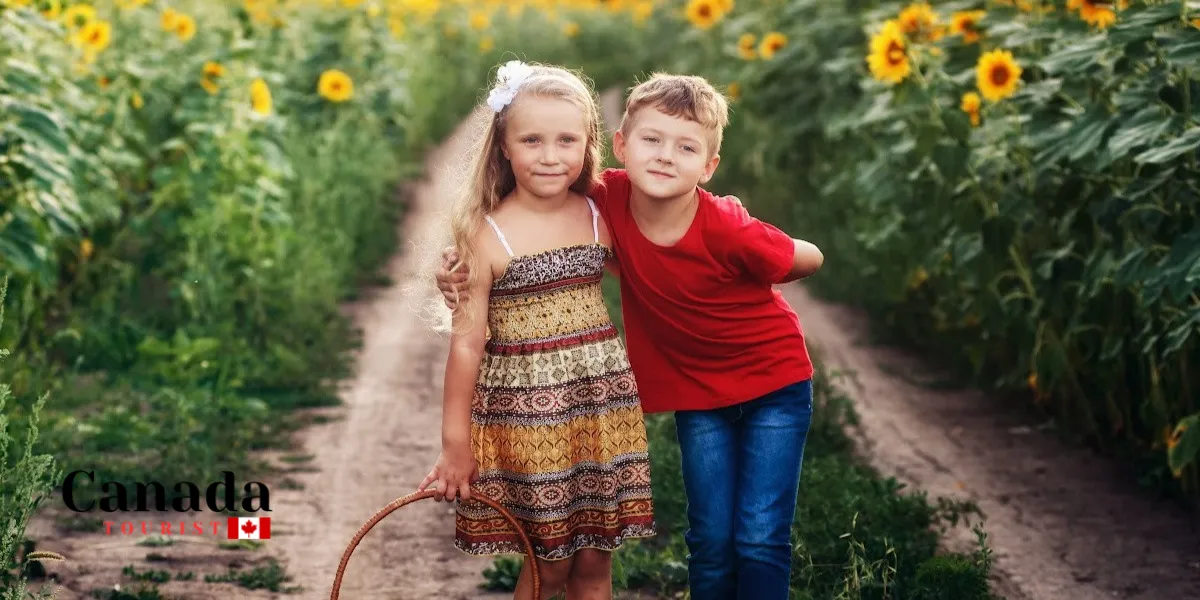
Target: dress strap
595 216
499 234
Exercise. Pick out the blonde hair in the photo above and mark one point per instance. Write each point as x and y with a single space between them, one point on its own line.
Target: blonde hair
687 96
490 176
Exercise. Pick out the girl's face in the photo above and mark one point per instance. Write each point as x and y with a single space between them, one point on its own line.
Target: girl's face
546 142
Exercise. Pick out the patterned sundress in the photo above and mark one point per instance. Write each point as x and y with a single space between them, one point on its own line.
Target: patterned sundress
556 423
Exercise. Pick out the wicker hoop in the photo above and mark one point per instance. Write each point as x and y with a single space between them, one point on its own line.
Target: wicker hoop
530 557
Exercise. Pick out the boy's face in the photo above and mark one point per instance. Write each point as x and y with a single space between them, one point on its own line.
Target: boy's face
666 157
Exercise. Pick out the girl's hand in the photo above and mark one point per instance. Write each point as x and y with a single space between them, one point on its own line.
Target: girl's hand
453 475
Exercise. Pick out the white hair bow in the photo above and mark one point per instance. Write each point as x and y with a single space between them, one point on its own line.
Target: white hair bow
508 80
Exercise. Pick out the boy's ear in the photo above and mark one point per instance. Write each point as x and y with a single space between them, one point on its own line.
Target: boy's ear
619 146
710 168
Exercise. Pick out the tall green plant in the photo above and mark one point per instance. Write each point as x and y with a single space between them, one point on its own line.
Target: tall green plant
1045 243
25 481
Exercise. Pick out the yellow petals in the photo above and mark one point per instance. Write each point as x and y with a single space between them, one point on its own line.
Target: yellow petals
772 42
335 86
997 75
260 98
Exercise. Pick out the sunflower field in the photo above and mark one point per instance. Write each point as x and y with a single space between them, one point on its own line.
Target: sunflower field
1012 182
189 188
188 191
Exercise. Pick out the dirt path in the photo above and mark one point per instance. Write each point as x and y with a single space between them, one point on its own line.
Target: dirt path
1064 523
365 453
388 440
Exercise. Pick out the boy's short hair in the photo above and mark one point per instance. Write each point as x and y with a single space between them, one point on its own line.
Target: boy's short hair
686 96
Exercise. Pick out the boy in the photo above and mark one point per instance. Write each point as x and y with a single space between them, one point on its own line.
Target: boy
707 335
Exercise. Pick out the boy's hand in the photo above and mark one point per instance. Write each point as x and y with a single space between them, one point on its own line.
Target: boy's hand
452 285
453 475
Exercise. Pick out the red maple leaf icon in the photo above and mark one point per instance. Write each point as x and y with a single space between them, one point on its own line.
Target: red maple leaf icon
249 528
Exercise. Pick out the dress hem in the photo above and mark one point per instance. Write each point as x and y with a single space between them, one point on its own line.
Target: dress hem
499 548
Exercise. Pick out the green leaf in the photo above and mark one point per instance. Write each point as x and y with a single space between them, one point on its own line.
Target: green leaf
1143 16
1076 57
36 125
998 233
1019 34
1184 53
1083 137
1145 184
1178 336
1088 132
951 159
1179 271
1176 147
1040 92
22 76
1143 91
1144 127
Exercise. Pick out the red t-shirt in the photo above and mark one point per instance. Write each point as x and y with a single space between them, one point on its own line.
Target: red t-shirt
704 326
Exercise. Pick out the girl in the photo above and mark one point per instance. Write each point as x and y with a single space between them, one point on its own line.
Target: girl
543 414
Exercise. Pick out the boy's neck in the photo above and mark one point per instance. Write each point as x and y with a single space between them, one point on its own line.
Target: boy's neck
664 221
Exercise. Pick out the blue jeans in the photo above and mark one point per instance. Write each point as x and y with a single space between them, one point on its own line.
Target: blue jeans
741 472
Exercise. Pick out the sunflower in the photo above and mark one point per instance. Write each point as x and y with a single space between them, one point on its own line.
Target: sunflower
169 19
479 20
213 70
95 36
970 105
917 20
725 5
703 13
79 15
1099 14
613 6
966 24
771 43
746 46
211 73
185 27
734 90
486 43
642 11
335 86
997 75
888 60
570 29
396 26
51 9
260 97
